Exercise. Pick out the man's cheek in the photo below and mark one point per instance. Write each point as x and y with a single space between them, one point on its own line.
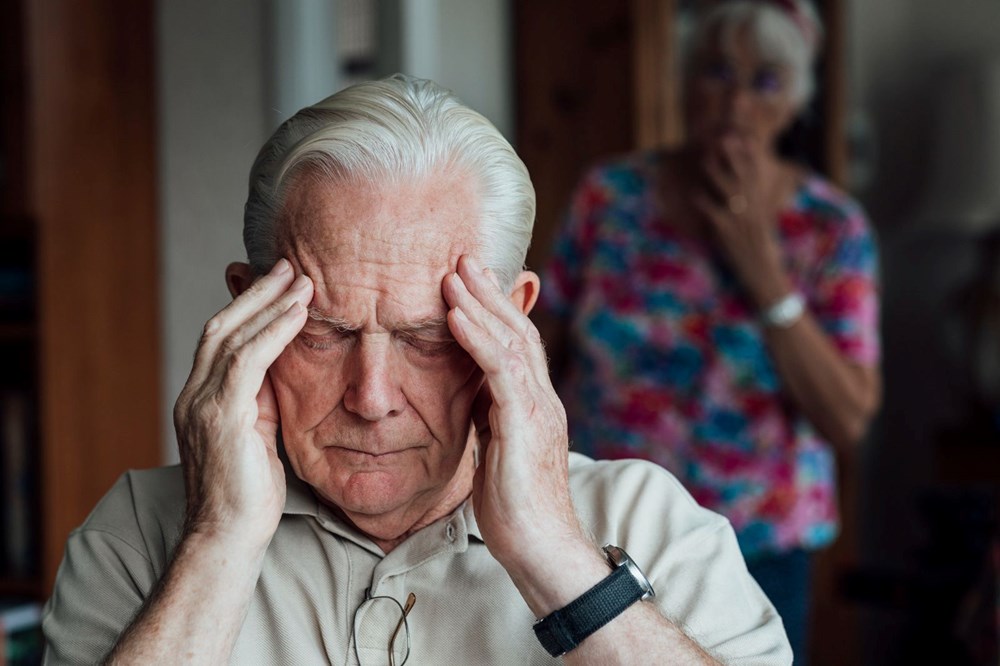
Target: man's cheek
281 373
304 385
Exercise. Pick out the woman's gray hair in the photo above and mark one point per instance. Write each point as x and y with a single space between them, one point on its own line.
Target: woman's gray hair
389 131
786 37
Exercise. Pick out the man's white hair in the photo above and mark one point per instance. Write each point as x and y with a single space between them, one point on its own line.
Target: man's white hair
789 38
389 131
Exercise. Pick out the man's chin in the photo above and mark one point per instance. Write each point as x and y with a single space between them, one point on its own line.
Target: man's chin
370 493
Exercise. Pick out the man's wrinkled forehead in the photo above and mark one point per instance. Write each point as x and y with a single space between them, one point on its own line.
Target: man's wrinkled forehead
387 219
400 239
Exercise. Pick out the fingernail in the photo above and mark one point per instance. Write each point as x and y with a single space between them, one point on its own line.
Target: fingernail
300 283
473 264
283 266
461 315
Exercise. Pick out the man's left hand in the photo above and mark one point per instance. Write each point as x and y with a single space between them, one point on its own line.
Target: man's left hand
521 490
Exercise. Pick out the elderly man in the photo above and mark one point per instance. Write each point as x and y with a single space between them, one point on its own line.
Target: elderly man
375 467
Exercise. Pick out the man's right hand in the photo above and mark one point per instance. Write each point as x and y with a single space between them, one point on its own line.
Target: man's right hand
227 428
227 418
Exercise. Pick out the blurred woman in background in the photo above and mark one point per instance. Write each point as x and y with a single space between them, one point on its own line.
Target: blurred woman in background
714 308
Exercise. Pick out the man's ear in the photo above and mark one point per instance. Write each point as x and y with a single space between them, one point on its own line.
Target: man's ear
238 277
525 291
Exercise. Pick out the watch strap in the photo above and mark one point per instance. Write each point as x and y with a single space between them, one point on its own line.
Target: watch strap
564 629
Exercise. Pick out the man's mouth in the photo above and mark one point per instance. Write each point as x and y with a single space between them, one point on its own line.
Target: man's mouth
367 455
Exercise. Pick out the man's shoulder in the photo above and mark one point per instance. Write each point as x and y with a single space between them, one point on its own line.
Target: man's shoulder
631 493
626 475
141 500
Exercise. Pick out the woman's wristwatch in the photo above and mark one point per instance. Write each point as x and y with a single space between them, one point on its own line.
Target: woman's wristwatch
785 312
564 629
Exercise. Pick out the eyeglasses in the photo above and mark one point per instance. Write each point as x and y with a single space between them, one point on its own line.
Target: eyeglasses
377 623
767 81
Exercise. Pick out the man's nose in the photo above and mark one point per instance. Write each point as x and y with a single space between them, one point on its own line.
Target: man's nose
373 388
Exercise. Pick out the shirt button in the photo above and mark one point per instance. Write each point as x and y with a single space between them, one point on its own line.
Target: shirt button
450 531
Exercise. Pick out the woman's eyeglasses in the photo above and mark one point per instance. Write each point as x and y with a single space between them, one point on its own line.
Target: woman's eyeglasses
378 622
765 81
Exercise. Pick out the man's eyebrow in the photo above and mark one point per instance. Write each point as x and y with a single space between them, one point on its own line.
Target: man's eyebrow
425 325
338 323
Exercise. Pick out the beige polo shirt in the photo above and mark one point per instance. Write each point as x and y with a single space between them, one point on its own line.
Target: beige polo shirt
318 571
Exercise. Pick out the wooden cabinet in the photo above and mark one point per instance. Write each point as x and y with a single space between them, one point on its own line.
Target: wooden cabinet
78 193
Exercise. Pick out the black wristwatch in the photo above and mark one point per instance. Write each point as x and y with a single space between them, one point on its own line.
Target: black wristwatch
564 629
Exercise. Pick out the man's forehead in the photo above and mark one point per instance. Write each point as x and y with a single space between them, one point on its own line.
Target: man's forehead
380 250
371 304
411 220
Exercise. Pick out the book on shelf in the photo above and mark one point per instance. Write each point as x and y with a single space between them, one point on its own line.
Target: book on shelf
19 556
17 281
21 628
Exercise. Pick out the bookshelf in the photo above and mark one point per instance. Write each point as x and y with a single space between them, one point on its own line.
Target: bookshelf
78 201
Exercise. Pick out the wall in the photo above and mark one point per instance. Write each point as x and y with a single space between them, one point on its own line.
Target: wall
212 121
464 46
900 54
903 54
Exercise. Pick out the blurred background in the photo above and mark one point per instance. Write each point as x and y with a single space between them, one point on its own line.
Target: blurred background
128 130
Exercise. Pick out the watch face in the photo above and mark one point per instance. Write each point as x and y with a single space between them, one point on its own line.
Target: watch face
647 587
617 557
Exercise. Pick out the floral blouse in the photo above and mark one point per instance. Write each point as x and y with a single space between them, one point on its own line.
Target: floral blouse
667 360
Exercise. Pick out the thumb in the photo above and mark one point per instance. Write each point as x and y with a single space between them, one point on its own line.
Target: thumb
267 403
481 407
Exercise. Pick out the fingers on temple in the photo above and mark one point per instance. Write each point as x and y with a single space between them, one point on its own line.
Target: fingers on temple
505 370
489 303
299 292
248 365
500 338
482 284
265 299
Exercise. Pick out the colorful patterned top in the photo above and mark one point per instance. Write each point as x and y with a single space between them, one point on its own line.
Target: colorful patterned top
667 362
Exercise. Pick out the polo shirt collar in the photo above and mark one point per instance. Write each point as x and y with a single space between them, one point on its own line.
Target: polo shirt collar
469 513
299 496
